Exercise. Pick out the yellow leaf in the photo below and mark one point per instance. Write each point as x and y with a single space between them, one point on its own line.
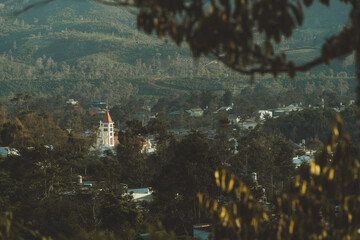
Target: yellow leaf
222 212
231 184
242 188
226 220
216 174
297 181
234 208
211 9
303 188
217 182
223 179
331 174
200 197
349 217
215 206
338 118
223 17
317 170
217 178
265 216
237 222
312 167
156 21
254 223
328 148
291 226
336 131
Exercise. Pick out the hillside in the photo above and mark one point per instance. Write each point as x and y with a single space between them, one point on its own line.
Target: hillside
71 47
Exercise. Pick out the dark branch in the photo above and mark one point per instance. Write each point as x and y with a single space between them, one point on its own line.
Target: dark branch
115 3
44 2
32 6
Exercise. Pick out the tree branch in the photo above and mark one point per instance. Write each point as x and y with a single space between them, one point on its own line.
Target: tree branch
17 13
285 68
44 2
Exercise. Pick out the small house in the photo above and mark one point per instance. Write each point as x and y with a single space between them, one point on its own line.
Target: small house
195 112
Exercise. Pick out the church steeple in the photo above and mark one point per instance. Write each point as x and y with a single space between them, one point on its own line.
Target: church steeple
107 118
106 138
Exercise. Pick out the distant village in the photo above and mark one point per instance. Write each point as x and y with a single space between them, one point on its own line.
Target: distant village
107 137
107 140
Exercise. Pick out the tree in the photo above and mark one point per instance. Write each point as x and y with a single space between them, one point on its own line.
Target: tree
343 87
9 132
206 98
39 63
22 102
322 202
133 165
268 154
13 229
188 172
4 111
118 213
227 97
50 64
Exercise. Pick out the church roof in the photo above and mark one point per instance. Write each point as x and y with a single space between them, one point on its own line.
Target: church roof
107 118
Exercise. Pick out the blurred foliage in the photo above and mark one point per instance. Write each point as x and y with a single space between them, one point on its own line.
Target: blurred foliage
11 229
243 34
322 201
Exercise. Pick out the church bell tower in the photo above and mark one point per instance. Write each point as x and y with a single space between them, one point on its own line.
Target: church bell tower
107 132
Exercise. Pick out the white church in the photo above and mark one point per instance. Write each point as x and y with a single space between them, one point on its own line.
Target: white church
106 138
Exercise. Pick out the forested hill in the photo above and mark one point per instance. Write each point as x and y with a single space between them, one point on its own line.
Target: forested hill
72 47
70 30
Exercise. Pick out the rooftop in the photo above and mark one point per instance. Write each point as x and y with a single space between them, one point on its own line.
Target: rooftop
107 118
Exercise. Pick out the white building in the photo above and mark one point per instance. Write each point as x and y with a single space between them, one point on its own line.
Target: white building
72 102
106 138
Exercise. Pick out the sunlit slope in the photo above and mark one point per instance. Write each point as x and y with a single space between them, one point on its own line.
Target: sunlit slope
99 39
66 30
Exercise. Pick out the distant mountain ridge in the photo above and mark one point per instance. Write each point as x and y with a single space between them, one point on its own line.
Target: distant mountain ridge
87 42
